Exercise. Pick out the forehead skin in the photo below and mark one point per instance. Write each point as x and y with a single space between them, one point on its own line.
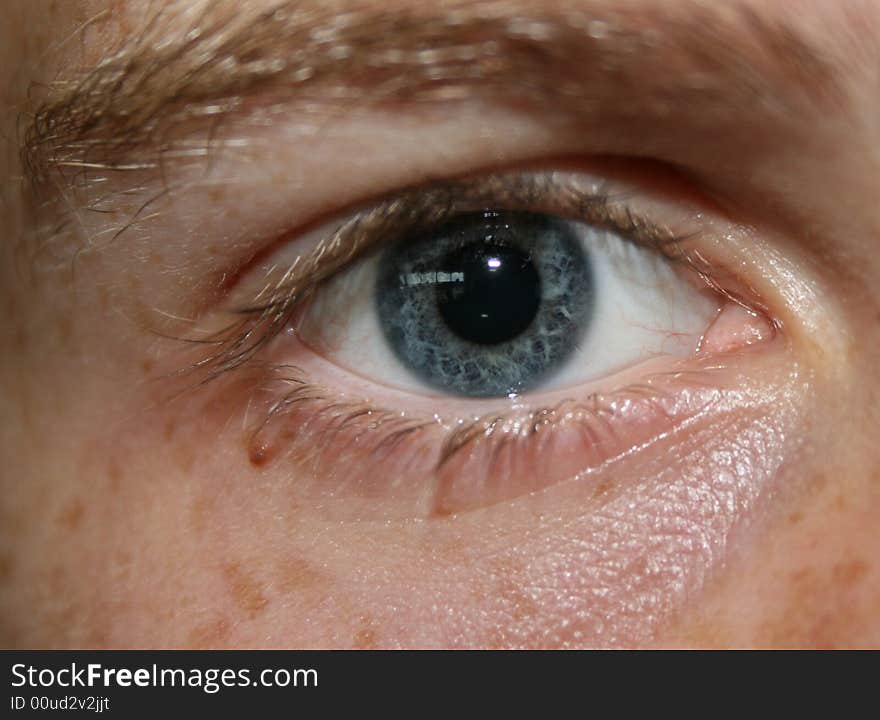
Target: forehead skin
72 571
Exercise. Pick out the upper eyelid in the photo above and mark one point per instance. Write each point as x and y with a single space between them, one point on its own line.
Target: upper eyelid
385 220
270 309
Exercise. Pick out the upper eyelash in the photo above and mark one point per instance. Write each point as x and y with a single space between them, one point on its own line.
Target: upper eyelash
261 320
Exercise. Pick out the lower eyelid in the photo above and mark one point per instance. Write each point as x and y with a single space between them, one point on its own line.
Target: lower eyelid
355 459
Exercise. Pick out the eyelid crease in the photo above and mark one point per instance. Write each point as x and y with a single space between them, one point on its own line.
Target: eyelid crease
563 193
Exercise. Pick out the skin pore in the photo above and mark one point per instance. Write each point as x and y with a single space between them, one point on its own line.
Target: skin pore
164 162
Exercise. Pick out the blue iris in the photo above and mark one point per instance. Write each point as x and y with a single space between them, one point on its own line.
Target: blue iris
487 303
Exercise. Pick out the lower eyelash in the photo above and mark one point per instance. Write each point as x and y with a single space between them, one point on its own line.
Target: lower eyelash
318 407
464 464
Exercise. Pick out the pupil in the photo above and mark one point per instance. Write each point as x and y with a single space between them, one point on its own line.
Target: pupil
496 297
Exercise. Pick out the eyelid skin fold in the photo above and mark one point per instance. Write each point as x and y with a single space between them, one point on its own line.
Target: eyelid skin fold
284 287
430 461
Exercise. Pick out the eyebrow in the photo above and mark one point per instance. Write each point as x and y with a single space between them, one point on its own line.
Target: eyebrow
185 71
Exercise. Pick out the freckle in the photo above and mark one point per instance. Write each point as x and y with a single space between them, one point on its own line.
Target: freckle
795 518
55 577
524 608
64 328
803 576
806 620
849 573
122 567
185 459
705 632
438 512
114 475
147 366
97 640
168 432
20 339
202 508
209 635
504 587
156 259
298 574
247 592
365 640
258 453
71 515
12 522
5 567
604 487
496 639
820 480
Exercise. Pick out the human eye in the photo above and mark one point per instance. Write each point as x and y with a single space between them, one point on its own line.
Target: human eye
495 324
480 340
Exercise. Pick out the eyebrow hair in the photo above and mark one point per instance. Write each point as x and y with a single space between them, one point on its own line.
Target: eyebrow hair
188 69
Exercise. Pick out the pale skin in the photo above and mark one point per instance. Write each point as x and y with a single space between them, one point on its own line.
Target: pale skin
135 515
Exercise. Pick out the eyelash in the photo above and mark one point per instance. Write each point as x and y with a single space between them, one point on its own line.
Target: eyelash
273 308
319 417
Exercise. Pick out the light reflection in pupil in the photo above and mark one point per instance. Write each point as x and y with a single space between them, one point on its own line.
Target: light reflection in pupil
498 294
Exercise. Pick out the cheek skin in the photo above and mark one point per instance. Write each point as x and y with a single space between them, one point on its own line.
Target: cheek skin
826 598
173 540
817 583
